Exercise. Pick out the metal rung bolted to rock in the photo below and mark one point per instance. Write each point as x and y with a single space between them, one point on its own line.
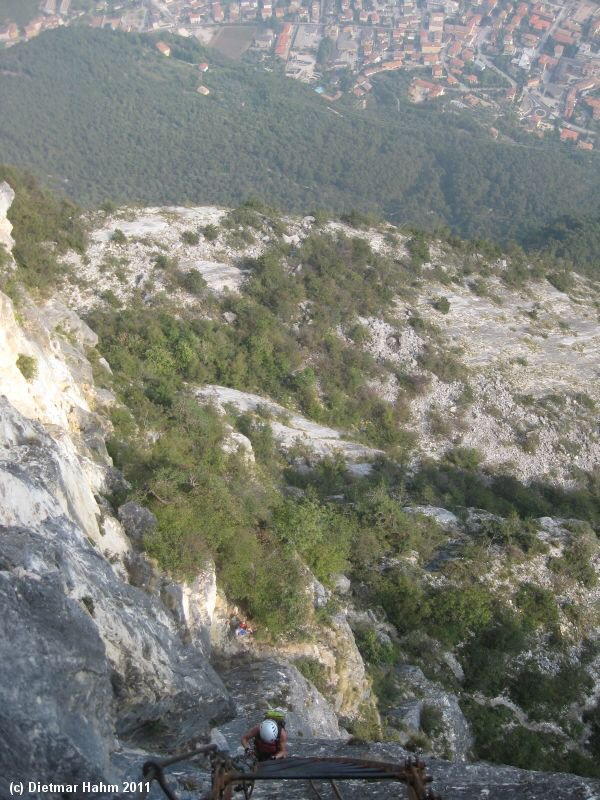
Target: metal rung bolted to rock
240 775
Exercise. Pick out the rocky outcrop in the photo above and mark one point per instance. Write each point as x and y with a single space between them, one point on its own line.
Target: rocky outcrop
56 695
88 657
148 677
256 686
59 388
137 521
428 708
7 196
452 781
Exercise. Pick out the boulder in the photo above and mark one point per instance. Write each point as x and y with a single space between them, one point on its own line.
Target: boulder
256 686
341 584
7 196
137 521
99 656
454 734
56 695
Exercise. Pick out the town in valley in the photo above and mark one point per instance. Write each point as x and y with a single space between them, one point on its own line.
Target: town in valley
538 61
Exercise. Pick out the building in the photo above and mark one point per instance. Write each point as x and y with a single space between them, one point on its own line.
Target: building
264 40
163 48
33 28
567 135
284 40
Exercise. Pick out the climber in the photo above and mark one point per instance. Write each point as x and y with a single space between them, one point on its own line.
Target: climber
243 630
268 739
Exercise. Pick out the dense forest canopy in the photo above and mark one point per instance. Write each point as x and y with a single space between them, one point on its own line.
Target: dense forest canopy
19 11
105 116
571 241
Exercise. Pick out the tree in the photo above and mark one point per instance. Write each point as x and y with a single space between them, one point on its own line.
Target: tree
326 50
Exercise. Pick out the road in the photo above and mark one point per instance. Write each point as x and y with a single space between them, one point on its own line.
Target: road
481 40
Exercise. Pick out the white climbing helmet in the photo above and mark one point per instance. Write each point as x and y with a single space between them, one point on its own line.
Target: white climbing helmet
269 731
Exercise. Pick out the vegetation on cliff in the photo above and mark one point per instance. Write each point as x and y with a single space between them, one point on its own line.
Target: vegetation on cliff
44 227
292 334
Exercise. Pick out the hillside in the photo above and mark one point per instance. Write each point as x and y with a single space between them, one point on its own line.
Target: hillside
131 127
572 241
381 449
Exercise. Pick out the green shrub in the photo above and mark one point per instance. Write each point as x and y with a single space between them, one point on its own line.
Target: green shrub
563 281
418 247
576 560
357 219
544 695
414 384
118 237
385 686
537 606
431 720
321 534
210 232
447 368
246 215
442 304
239 239
192 281
418 742
367 727
511 532
28 366
43 228
456 613
592 718
161 261
499 740
439 424
373 649
313 671
190 237
4 256
359 333
585 400
464 458
487 657
261 437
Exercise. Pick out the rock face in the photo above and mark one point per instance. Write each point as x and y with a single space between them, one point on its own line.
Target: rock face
451 780
86 656
450 731
61 391
7 196
256 686
289 429
137 521
121 646
55 707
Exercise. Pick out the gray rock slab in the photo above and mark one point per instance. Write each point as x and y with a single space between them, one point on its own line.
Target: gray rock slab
256 686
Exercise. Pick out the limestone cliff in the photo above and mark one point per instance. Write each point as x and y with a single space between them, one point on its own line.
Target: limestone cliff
98 646
7 196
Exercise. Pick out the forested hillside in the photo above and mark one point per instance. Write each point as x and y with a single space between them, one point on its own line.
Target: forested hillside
110 118
573 241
